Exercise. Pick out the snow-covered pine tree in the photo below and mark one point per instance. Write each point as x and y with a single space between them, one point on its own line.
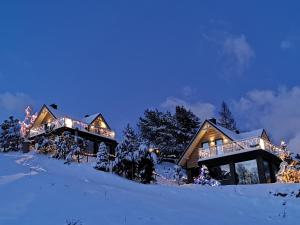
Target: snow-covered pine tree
226 118
205 179
130 145
127 152
10 138
157 131
153 128
62 148
170 133
102 161
145 167
4 136
187 124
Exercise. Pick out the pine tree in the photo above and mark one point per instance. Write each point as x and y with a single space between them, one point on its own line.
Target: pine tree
145 168
102 161
127 153
130 145
155 129
62 148
166 132
10 138
187 124
226 118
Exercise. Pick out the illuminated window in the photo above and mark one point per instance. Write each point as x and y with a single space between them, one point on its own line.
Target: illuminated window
69 123
102 124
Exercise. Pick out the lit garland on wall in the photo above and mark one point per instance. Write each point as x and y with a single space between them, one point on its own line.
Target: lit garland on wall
28 122
289 168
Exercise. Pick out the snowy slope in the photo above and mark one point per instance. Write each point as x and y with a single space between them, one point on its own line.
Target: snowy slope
36 190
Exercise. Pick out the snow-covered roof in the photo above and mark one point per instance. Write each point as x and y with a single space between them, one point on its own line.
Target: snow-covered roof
239 136
57 113
90 119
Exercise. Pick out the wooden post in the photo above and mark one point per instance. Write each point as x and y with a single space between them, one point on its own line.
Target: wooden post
261 170
233 173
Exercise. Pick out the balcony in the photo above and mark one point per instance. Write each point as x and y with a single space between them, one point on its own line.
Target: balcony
73 124
238 146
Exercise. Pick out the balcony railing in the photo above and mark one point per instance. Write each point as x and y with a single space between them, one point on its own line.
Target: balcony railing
237 146
73 124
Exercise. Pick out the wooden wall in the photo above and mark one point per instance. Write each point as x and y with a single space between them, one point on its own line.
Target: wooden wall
212 134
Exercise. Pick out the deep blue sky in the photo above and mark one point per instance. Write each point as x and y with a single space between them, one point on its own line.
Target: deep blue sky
120 57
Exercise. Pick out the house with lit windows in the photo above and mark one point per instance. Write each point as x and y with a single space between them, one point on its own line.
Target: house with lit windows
232 157
92 128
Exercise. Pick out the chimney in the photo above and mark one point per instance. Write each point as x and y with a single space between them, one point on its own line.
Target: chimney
213 120
54 106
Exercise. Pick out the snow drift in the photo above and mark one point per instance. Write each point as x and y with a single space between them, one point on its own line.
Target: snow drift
37 190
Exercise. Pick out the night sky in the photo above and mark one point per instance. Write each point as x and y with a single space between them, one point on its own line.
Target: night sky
121 57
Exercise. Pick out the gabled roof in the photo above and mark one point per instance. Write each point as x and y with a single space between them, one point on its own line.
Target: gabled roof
56 113
40 112
238 136
90 119
233 136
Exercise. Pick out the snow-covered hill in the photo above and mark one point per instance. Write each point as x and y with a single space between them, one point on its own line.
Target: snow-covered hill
36 190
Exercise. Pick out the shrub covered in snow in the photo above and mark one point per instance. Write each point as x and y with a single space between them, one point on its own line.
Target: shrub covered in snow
205 179
178 174
289 168
66 146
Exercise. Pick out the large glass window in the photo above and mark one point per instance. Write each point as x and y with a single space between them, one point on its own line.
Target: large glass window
247 172
221 173
267 171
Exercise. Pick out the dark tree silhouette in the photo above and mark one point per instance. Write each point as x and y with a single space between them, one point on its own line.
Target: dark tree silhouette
226 118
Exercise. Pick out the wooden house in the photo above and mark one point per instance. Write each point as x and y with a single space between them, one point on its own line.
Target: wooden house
231 157
92 128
